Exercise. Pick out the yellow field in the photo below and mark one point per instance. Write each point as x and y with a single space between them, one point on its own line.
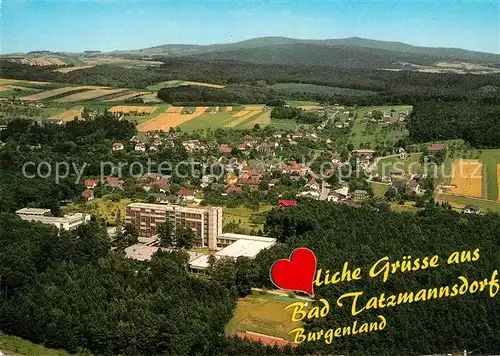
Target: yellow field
68 115
309 107
42 61
243 118
7 81
204 84
241 113
89 94
165 121
467 177
4 89
48 93
174 109
127 109
253 107
498 181
128 96
71 69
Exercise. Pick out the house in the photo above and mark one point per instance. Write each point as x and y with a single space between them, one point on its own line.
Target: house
309 194
364 153
471 209
232 189
162 198
242 147
402 153
90 184
187 194
114 182
140 147
312 184
413 186
117 146
273 182
294 168
286 203
397 172
360 194
88 194
224 148
433 148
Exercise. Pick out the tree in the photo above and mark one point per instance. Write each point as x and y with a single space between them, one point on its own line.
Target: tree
184 237
166 232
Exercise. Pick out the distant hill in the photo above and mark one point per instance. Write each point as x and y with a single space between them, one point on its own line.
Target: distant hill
347 52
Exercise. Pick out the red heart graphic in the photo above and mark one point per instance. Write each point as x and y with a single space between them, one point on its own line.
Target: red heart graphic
297 273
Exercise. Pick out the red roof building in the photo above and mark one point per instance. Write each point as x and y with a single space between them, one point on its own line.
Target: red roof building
286 203
224 148
88 194
232 189
90 184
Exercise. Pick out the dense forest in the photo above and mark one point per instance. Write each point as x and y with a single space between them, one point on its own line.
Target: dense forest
383 87
473 122
68 291
199 95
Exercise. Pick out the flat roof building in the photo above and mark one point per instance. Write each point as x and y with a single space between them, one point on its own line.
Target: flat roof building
68 222
205 223
242 245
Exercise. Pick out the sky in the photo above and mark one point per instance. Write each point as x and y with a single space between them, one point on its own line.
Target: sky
106 25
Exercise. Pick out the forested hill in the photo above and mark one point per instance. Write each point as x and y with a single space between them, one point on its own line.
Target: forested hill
345 52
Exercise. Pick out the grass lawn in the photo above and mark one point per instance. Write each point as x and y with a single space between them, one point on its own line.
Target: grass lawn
205 121
264 314
295 103
243 214
490 159
379 189
410 165
460 201
406 208
101 207
15 346
167 84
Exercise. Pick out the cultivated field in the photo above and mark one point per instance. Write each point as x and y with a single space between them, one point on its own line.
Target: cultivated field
127 96
241 119
467 178
254 107
71 69
205 121
309 107
68 115
165 121
50 93
204 84
126 109
174 109
241 113
87 95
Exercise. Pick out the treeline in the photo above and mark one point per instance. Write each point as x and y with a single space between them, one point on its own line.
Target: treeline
295 114
390 87
362 236
108 75
474 122
243 94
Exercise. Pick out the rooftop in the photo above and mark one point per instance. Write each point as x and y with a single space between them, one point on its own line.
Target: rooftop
34 211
